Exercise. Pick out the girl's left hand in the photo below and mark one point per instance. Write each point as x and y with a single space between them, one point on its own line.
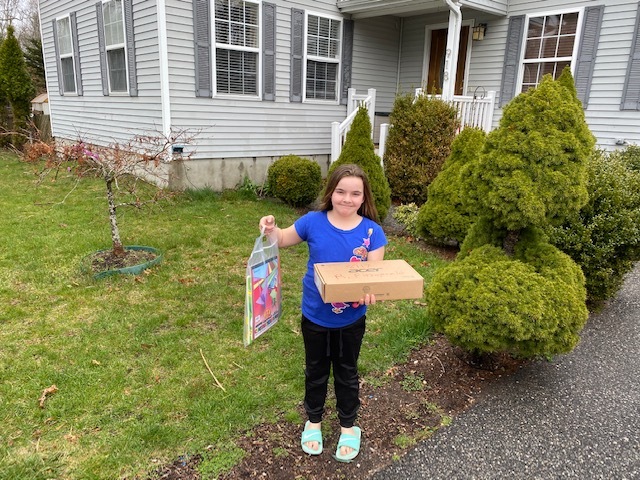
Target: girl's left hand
368 299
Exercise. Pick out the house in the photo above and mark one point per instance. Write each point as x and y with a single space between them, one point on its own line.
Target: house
258 79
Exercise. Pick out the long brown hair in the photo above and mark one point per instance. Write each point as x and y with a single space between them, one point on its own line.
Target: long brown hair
368 207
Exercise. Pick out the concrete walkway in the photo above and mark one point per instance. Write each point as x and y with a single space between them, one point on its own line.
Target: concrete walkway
577 417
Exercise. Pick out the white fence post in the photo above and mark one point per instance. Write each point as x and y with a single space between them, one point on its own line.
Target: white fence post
336 141
384 132
371 94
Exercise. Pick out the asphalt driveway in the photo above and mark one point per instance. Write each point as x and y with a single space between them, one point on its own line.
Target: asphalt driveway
576 417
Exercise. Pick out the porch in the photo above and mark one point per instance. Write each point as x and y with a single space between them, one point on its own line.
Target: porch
473 111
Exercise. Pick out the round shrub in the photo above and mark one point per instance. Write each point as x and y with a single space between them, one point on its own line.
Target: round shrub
604 236
358 149
444 215
490 302
294 180
422 130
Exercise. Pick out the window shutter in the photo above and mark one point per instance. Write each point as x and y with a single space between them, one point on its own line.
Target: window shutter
347 58
587 52
58 63
131 48
202 40
76 52
511 59
297 53
268 51
102 49
631 92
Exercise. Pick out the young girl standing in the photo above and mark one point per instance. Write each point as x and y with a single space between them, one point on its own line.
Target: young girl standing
344 229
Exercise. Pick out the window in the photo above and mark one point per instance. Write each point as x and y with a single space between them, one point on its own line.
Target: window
65 52
237 47
550 45
114 37
322 58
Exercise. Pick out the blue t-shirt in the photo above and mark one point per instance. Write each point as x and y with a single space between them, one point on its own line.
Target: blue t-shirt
330 244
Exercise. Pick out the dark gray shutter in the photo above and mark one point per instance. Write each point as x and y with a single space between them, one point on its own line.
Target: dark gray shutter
131 48
511 59
202 40
58 63
587 52
297 53
102 50
347 58
76 51
631 92
268 51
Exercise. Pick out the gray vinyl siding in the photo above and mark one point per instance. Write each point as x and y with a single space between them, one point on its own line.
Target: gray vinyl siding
93 116
375 58
233 127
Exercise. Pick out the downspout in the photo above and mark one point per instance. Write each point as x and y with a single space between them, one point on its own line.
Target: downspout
46 72
453 47
163 51
399 55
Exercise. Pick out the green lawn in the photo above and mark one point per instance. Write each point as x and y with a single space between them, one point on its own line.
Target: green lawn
126 353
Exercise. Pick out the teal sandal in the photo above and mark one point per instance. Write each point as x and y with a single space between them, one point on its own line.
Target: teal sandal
351 441
311 435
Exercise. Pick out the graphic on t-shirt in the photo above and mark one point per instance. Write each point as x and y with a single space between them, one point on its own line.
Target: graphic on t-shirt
360 254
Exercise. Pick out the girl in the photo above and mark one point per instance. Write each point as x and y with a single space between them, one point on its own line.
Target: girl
345 229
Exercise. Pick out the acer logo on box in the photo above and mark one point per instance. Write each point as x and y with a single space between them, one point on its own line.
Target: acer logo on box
350 281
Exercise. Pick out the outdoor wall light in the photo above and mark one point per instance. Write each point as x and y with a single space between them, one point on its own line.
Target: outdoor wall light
479 31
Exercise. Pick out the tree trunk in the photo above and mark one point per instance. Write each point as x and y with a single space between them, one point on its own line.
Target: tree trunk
118 249
509 242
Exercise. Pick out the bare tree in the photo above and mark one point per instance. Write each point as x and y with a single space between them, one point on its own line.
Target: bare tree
121 166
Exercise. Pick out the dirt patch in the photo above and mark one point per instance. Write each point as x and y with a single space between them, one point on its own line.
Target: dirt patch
415 399
106 260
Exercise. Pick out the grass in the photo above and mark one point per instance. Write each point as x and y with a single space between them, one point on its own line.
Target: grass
125 353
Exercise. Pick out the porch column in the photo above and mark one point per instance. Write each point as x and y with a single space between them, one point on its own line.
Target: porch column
451 55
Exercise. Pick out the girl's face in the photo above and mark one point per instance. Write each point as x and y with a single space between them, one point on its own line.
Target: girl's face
348 196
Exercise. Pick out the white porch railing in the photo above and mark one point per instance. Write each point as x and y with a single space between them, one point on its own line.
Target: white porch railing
339 129
473 111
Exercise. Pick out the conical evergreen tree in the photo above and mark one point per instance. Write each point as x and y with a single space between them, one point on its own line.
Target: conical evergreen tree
15 81
358 148
509 289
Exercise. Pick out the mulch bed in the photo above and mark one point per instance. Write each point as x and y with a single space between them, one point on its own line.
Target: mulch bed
439 381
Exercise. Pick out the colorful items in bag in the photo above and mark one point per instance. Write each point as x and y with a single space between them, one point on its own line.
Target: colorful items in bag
263 295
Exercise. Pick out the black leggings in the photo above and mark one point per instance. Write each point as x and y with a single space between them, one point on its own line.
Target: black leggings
339 347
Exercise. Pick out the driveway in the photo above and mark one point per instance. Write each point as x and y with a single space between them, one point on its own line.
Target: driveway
576 417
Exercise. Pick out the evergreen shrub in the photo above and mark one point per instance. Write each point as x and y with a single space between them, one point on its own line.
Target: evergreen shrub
604 236
419 141
510 289
444 215
532 170
529 305
407 215
358 149
294 180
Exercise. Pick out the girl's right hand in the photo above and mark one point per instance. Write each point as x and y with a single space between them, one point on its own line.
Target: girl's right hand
268 224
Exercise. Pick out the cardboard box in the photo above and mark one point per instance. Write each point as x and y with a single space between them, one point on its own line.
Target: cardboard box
350 281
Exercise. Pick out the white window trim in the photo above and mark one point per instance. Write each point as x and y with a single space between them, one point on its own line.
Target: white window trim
576 43
107 48
72 55
258 50
306 57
